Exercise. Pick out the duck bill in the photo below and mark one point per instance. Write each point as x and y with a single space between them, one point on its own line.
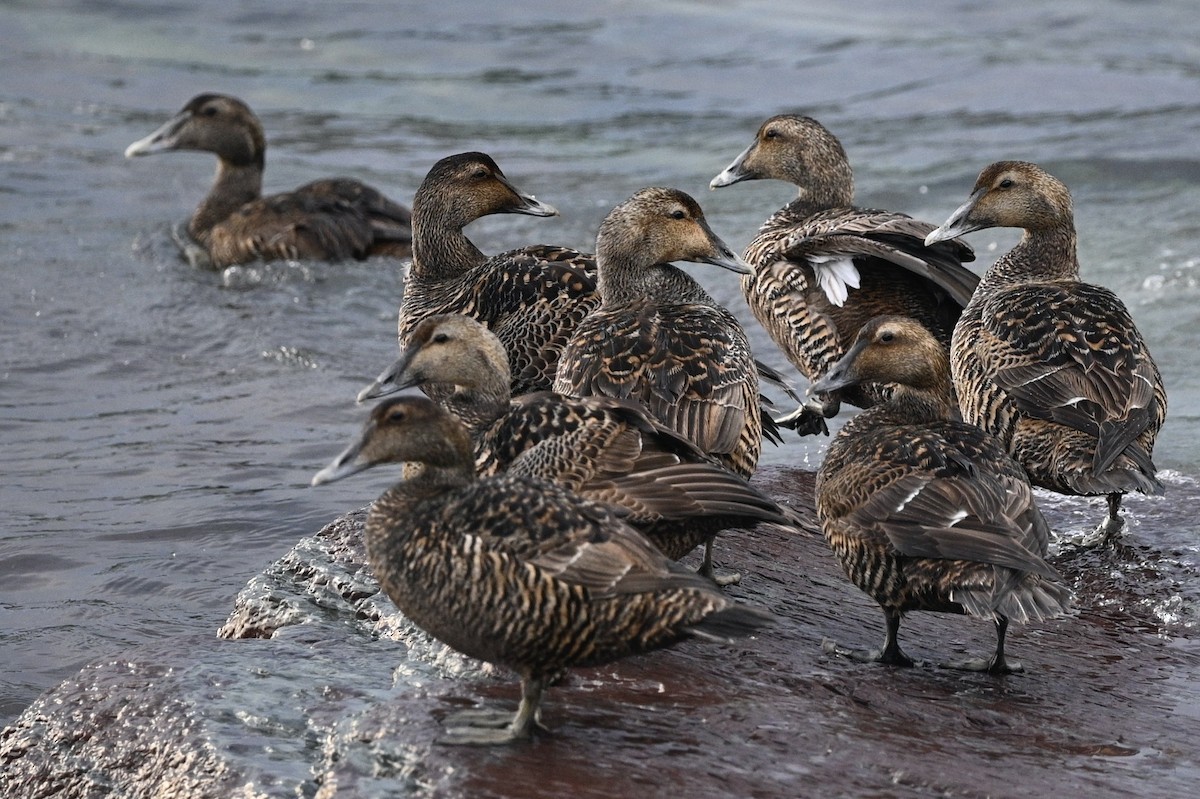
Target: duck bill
391 379
721 255
959 222
526 203
735 172
349 462
162 139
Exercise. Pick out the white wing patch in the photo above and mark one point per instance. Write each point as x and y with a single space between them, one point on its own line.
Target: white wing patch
836 275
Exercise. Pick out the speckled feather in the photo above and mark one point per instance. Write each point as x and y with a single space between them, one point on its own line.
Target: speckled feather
334 219
660 339
605 449
897 274
1054 367
518 571
532 297
926 512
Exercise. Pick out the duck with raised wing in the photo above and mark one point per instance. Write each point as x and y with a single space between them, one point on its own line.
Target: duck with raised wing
924 511
335 219
822 267
1052 366
517 571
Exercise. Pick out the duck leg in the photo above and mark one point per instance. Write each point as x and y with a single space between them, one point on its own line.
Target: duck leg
890 654
1112 525
997 663
809 418
706 569
488 727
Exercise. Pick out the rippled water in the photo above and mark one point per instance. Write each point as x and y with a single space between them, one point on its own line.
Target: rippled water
160 424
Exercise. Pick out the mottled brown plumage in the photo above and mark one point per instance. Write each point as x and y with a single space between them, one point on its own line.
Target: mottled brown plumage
518 571
336 219
659 338
1052 366
605 449
822 268
532 298
924 511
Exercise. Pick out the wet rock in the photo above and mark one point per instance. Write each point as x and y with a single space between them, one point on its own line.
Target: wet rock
333 693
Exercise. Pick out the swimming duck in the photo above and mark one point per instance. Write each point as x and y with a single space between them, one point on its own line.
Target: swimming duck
925 511
327 220
659 338
517 571
1052 366
532 298
602 448
822 267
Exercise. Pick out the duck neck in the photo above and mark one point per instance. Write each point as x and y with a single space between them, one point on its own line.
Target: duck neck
440 248
622 282
920 404
822 192
480 405
1045 254
235 185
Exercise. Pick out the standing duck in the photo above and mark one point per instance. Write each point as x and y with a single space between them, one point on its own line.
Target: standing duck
605 449
659 338
336 219
517 571
1052 366
924 511
822 268
532 298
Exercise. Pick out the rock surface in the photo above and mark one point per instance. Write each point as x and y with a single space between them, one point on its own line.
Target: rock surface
330 692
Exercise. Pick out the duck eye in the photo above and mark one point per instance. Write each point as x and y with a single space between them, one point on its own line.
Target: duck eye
480 173
771 133
209 111
441 338
887 336
678 213
1007 183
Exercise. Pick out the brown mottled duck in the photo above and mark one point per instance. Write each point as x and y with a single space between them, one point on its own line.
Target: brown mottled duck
924 511
336 219
602 448
1052 366
822 267
659 338
517 571
532 297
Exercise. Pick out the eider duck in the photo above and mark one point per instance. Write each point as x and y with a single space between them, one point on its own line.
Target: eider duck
336 219
531 298
602 448
926 512
1052 366
517 571
822 268
659 338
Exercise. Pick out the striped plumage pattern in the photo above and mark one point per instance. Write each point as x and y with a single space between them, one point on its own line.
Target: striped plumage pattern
926 512
334 219
532 298
605 449
517 571
823 268
658 338
1054 367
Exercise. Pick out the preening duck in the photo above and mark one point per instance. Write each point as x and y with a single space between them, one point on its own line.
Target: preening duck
659 338
336 219
606 449
532 297
517 571
926 512
822 267
1052 366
